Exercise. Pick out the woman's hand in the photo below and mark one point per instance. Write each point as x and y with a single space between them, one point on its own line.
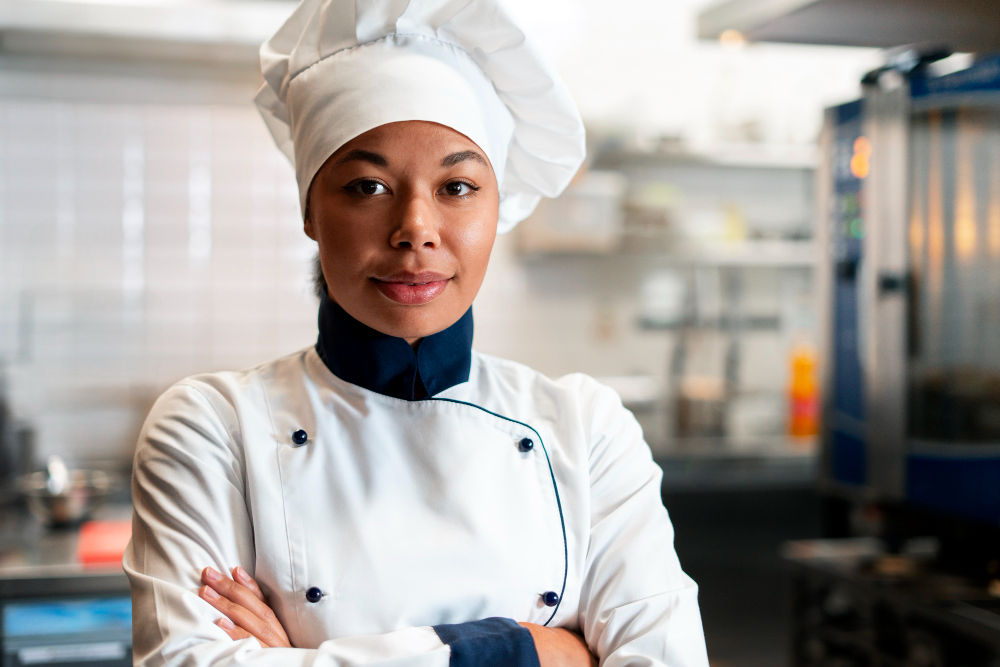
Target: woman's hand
247 613
559 647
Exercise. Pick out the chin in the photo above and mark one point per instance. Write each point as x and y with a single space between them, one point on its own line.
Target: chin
414 324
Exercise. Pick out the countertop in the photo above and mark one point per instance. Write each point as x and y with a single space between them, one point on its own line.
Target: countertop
31 550
722 464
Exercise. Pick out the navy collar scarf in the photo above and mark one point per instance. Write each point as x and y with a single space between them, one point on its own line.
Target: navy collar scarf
388 365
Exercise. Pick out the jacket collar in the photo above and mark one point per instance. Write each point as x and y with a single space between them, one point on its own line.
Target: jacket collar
388 365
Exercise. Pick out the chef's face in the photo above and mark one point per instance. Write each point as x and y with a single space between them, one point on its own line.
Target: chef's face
405 216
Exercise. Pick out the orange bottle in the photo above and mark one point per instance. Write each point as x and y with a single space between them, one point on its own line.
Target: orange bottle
803 393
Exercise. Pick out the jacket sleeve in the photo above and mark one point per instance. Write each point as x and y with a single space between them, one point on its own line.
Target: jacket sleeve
637 606
190 511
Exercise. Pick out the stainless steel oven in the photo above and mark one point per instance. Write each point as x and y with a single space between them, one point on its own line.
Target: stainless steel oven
910 197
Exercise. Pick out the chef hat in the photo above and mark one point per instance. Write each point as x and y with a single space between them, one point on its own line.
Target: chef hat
338 68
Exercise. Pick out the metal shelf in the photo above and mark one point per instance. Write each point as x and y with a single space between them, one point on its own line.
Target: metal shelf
726 155
774 254
735 254
724 323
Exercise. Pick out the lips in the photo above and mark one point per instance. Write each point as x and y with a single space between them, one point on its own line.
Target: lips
412 289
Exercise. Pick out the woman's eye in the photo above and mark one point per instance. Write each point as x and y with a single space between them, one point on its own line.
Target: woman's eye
366 187
459 189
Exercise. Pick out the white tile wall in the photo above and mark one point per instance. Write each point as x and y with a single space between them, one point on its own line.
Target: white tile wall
139 243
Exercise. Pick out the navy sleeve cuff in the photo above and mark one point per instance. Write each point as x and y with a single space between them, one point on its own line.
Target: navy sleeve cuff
491 641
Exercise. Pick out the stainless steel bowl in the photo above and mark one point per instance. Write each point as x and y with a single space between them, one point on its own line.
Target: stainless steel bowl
82 493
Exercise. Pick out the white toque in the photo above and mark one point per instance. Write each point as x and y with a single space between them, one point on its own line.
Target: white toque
338 68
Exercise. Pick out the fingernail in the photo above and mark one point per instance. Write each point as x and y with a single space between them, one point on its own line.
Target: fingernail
242 575
207 592
225 623
211 574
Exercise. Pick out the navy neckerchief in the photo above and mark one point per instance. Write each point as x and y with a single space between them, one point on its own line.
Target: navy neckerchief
388 365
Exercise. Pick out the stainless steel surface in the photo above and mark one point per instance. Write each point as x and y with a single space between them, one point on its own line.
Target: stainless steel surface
954 371
884 312
964 25
31 548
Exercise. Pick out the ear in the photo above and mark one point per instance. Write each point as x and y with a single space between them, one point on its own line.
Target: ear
307 222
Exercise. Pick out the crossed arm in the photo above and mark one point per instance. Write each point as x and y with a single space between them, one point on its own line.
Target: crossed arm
247 614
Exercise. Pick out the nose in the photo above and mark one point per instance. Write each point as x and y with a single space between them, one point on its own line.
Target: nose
416 225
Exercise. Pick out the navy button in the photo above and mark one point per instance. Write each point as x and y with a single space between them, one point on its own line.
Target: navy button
525 445
314 595
550 598
300 437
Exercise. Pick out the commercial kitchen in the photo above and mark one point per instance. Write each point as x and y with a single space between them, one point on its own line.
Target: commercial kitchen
782 251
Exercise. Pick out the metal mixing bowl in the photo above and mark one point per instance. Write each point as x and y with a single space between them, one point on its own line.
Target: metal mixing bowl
83 492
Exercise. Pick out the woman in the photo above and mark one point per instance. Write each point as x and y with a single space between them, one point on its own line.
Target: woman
391 496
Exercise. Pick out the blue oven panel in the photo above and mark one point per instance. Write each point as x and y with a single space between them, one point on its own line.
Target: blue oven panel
851 153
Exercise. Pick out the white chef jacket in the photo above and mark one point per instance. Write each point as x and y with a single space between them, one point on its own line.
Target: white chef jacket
370 520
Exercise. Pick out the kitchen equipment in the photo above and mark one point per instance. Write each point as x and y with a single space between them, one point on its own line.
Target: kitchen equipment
912 273
65 617
700 410
58 496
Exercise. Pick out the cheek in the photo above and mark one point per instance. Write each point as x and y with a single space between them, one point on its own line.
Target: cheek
476 245
343 239
476 239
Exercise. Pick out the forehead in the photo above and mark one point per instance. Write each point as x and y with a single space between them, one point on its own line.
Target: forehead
411 139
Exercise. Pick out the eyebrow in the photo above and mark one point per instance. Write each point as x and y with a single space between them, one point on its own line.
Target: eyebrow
364 156
455 158
359 155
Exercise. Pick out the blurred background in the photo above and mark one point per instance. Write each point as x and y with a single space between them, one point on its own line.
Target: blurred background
792 278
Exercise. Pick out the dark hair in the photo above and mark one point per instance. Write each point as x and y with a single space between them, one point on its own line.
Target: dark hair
319 282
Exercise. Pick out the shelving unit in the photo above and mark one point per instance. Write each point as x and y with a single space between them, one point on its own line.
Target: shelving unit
716 222
775 254
731 155
673 185
745 254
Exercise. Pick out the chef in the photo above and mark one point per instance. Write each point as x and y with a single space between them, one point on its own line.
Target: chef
389 495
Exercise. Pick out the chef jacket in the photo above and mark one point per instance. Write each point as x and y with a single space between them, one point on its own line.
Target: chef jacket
404 507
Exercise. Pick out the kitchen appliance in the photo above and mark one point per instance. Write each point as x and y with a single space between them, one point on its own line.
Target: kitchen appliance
74 619
911 281
854 604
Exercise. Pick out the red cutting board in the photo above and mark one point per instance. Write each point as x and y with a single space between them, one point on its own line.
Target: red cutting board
103 542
